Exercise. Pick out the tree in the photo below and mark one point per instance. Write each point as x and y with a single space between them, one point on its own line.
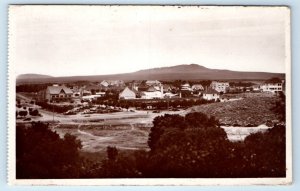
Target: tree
190 146
280 107
41 153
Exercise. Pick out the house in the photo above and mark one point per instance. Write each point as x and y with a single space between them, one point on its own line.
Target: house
197 87
58 93
86 93
220 86
113 83
273 85
167 88
211 94
127 93
186 87
153 83
153 93
255 88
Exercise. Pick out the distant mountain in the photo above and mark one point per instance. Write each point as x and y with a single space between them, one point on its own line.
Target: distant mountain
195 71
32 76
179 72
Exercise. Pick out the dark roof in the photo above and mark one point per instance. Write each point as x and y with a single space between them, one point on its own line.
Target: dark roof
58 89
210 91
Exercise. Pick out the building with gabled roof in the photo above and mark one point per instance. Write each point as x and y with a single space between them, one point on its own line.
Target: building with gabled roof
127 93
186 87
197 87
211 94
55 93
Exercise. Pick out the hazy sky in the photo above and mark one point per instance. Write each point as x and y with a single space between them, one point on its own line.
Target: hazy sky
94 40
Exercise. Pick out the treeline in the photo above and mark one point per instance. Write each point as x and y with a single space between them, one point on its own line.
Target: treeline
241 84
193 146
55 108
31 87
157 104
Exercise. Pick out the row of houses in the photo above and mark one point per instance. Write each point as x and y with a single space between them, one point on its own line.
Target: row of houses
150 89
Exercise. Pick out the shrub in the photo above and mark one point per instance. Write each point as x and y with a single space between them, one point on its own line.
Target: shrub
34 112
23 113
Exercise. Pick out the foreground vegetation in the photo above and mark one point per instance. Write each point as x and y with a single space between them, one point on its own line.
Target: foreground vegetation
190 146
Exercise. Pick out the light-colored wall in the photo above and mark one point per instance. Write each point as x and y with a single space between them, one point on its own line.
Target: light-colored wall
211 96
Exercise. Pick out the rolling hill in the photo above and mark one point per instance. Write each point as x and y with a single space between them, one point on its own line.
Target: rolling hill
179 72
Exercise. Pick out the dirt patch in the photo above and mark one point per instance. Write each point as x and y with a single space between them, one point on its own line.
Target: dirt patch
95 138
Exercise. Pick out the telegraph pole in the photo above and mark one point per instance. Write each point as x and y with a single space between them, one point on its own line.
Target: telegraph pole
52 112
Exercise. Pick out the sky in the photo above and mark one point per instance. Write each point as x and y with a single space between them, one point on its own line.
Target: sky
95 40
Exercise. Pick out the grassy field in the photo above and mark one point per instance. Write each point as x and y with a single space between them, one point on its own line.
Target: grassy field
95 138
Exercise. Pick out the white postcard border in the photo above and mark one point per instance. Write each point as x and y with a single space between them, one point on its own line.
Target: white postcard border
11 159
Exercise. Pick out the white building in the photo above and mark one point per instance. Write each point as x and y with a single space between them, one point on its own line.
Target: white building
117 83
153 93
186 87
127 94
211 94
220 86
273 86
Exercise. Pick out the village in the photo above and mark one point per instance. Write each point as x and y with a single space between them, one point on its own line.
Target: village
123 112
116 95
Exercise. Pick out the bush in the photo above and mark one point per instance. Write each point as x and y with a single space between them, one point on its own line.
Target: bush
23 113
34 112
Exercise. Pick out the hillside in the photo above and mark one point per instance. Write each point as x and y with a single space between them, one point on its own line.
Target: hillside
32 76
179 72
241 112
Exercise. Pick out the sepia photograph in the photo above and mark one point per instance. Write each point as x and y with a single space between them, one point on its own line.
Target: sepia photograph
149 95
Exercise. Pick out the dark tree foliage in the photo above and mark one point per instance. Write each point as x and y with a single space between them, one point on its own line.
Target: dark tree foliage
31 87
280 107
265 153
41 153
189 146
195 146
34 112
241 84
55 108
114 166
112 153
23 113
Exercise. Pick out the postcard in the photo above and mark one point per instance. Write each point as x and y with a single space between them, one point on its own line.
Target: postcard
149 95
